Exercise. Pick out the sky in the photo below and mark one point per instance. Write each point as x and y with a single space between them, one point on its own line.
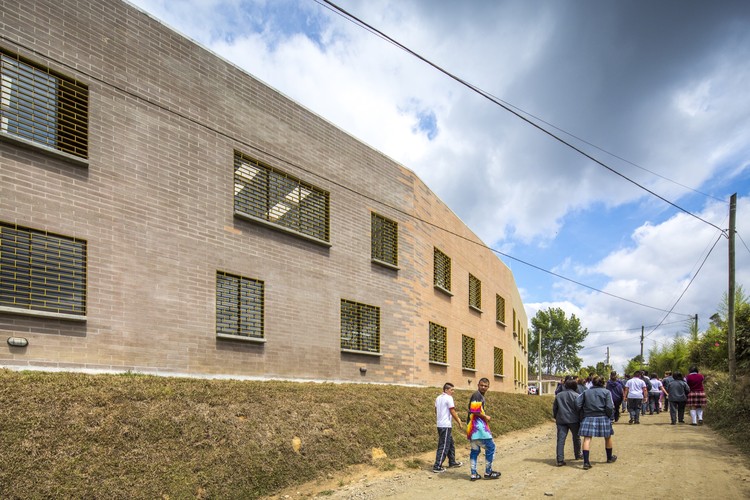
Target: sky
656 91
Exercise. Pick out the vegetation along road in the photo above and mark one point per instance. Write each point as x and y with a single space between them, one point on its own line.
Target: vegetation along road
656 459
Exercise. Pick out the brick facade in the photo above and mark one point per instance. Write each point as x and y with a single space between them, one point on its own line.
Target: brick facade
154 203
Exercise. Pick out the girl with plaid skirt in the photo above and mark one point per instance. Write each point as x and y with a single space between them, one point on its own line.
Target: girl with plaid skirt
598 410
696 399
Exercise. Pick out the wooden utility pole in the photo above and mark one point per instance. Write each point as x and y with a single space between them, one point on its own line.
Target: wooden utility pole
642 360
730 298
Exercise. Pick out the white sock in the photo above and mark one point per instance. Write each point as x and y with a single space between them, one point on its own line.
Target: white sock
692 416
700 413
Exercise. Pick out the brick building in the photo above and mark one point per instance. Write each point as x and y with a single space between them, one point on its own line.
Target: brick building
163 211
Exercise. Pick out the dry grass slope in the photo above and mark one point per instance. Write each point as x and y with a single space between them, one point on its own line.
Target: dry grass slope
66 435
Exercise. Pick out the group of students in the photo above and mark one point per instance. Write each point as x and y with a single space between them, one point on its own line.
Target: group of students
588 407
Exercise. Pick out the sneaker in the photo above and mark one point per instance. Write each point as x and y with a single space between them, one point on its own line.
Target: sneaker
455 466
630 421
438 470
693 424
579 457
700 422
586 466
474 476
560 463
612 460
492 475
673 423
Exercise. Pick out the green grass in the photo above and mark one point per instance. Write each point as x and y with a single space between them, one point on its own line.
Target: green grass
68 435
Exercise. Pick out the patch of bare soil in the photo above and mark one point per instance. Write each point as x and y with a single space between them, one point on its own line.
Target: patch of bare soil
654 459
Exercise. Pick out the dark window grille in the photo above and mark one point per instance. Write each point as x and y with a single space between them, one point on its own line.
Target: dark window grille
468 353
239 306
41 271
43 107
500 308
499 361
360 327
475 292
438 343
384 240
442 268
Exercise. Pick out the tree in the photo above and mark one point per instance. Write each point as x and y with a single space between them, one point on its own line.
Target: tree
562 339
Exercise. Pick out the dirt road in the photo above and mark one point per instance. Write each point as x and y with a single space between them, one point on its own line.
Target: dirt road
656 459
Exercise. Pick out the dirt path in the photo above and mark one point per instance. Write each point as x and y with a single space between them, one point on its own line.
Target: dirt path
693 463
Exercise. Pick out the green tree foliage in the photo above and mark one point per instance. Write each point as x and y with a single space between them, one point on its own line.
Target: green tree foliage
562 339
674 356
635 364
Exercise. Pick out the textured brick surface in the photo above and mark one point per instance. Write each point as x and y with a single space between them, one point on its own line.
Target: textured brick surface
156 208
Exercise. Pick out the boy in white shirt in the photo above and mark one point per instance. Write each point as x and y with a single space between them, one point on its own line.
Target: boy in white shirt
445 410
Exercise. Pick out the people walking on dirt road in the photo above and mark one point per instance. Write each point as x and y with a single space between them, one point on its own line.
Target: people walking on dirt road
598 411
445 411
697 398
565 411
636 394
654 395
478 432
668 378
678 396
615 387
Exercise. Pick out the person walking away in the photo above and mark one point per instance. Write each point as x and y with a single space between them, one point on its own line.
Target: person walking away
478 432
697 398
635 393
654 394
678 396
647 381
598 411
565 412
614 386
445 411
668 378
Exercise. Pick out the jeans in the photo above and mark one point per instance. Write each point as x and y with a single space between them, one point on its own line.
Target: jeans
677 409
653 401
634 408
562 435
489 454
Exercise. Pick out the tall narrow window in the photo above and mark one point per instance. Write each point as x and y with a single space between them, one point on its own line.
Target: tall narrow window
41 271
239 307
475 293
384 240
499 309
468 353
438 343
499 370
360 327
42 107
269 196
442 268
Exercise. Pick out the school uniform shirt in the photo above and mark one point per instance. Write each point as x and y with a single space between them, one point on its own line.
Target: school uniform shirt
635 388
443 405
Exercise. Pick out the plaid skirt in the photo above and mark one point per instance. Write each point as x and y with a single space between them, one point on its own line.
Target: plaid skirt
696 398
596 427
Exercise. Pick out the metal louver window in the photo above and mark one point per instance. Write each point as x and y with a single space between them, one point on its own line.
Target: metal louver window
43 272
499 309
442 270
42 107
475 293
468 360
239 306
438 343
274 198
498 361
360 327
384 240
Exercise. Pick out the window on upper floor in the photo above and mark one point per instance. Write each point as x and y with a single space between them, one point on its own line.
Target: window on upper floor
240 306
442 271
271 197
384 240
499 370
438 344
360 327
499 309
41 272
475 293
42 107
468 353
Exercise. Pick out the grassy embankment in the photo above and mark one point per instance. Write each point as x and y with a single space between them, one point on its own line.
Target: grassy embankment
66 435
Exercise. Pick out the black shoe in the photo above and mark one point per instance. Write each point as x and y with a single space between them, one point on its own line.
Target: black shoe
612 460
586 466
694 424
456 465
700 422
579 457
438 470
630 421
492 475
561 463
474 476
673 423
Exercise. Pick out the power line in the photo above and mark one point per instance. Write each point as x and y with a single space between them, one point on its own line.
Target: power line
498 102
226 135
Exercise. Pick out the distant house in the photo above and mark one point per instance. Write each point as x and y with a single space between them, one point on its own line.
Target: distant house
163 211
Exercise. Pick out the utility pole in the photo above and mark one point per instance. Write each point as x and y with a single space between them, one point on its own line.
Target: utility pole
642 344
730 319
607 356
696 323
539 389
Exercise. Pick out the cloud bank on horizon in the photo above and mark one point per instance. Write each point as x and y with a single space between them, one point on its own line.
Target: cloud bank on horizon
655 90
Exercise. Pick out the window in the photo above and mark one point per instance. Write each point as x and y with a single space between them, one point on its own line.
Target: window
468 361
42 272
438 343
515 324
384 240
499 309
442 267
360 327
271 197
239 307
475 293
44 108
499 362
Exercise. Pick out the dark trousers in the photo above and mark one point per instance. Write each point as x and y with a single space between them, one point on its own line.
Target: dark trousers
562 435
634 408
445 448
677 410
617 410
653 400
